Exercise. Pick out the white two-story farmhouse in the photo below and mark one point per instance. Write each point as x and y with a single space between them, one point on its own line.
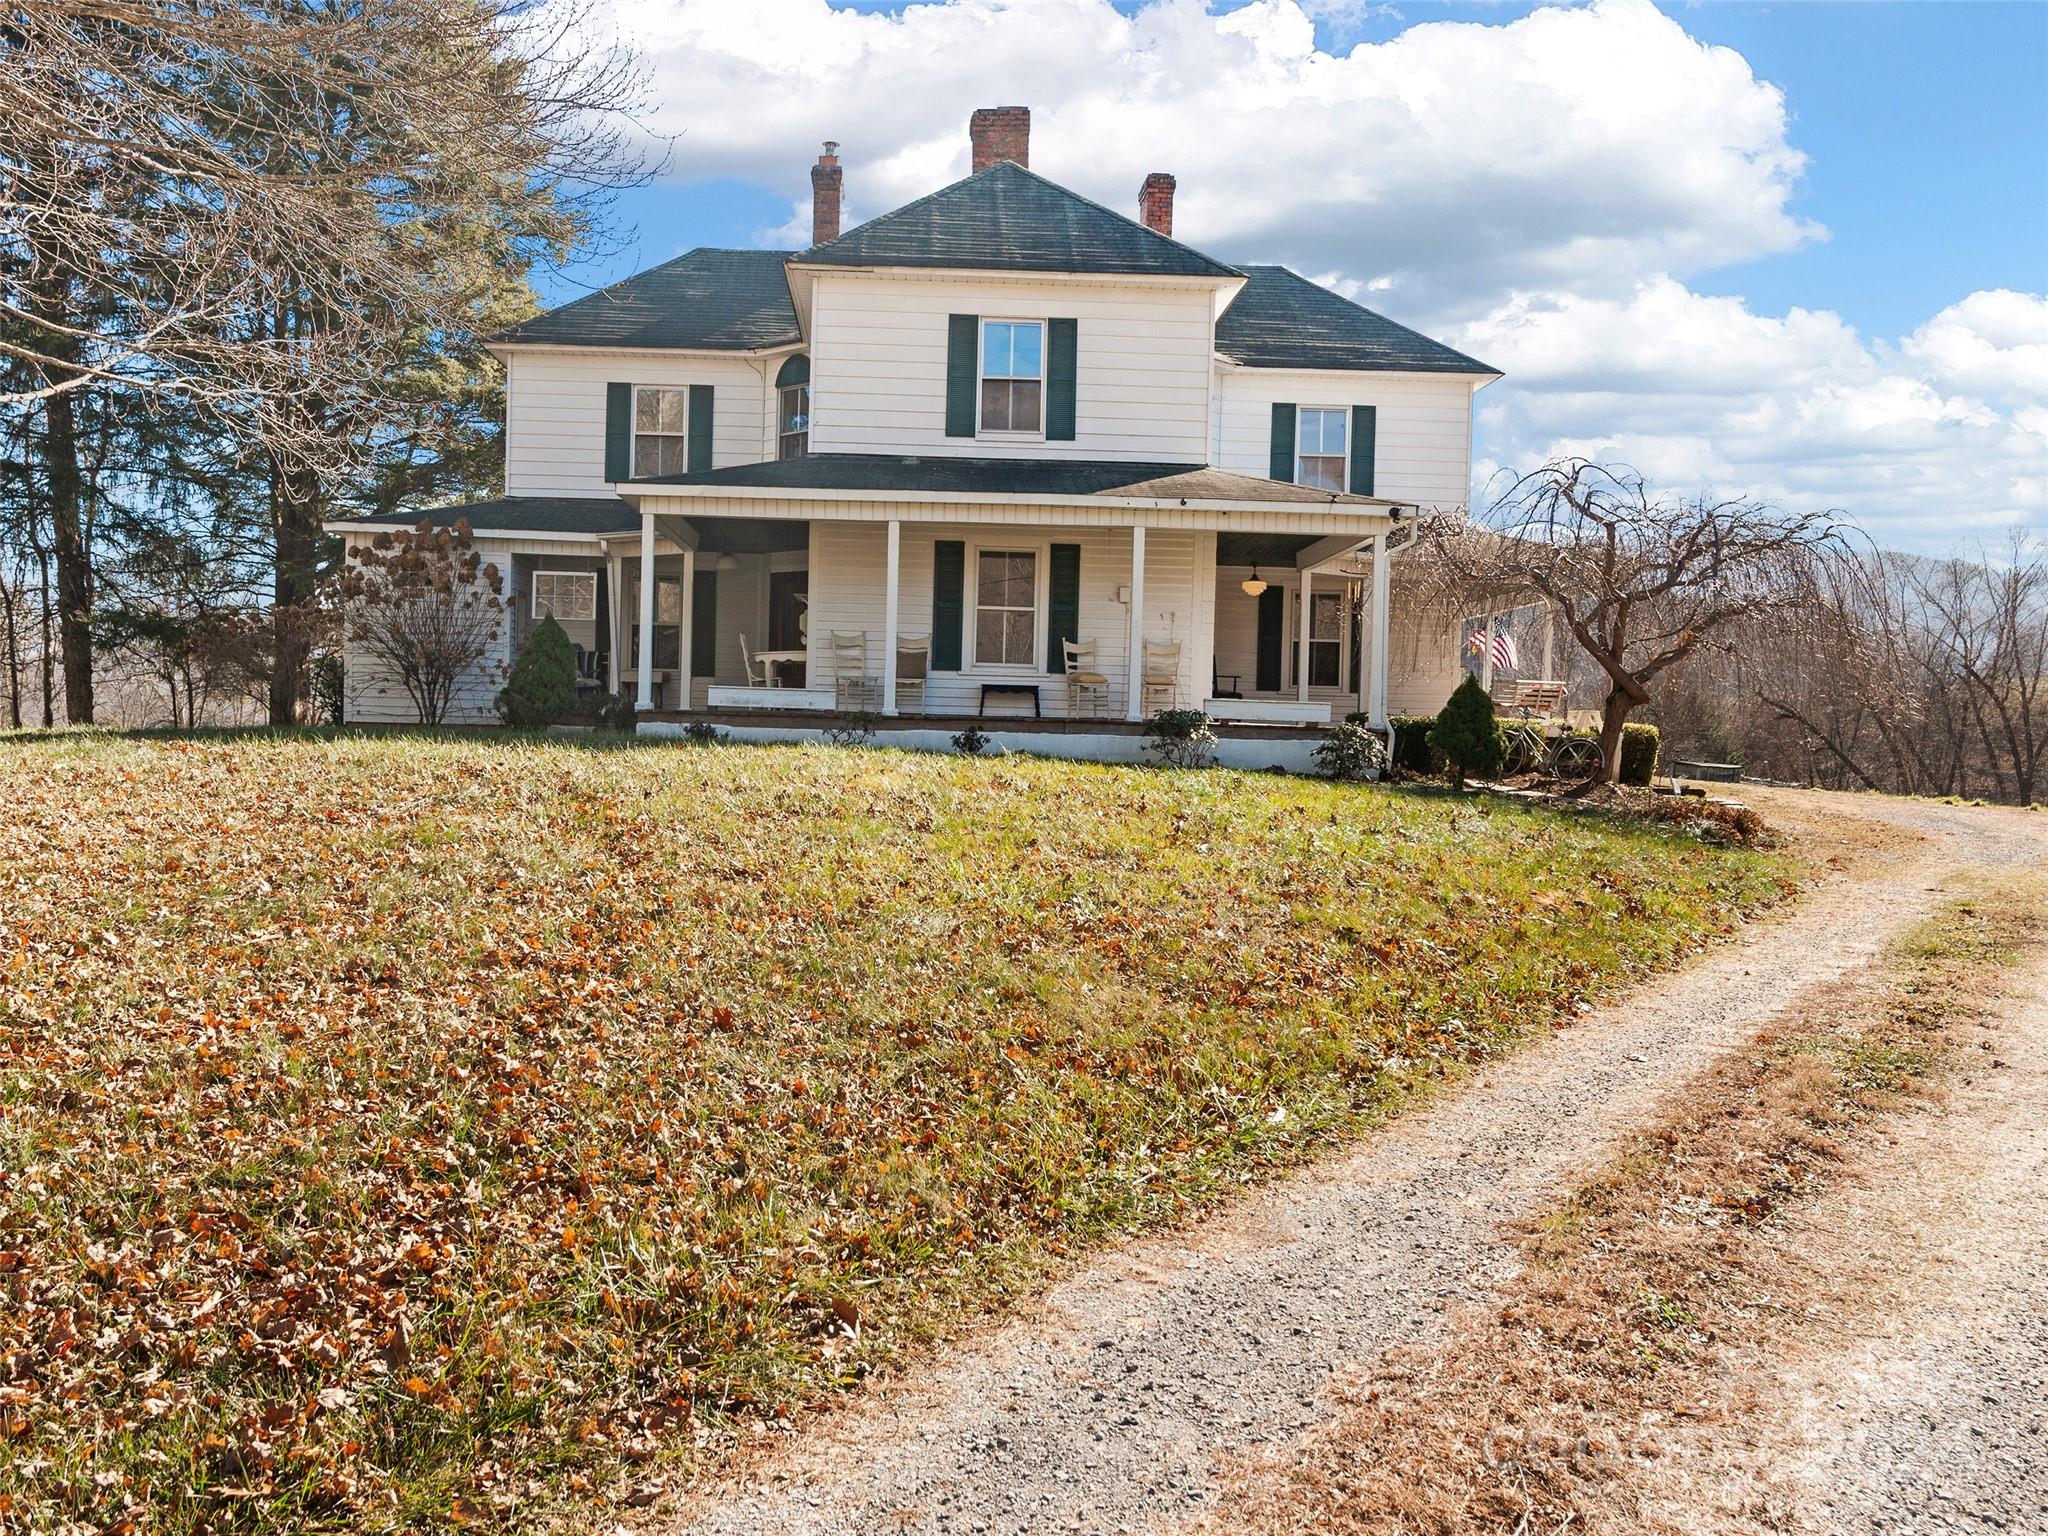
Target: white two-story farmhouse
1003 453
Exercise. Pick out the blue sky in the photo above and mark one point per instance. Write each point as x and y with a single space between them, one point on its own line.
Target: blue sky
1853 227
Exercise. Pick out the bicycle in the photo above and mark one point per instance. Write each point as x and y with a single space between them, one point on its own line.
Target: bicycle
1565 757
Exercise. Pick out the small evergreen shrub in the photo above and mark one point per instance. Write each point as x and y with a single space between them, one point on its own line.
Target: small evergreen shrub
1640 745
542 686
971 742
328 692
1412 751
702 733
1352 751
1467 734
1181 738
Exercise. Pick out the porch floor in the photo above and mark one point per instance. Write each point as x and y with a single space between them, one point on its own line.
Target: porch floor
1008 724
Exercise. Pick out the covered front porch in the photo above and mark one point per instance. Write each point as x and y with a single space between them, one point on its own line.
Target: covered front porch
1034 621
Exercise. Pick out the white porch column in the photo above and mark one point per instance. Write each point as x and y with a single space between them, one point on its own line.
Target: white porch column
1134 706
643 693
1549 641
891 581
1486 655
615 593
1301 641
689 626
1376 707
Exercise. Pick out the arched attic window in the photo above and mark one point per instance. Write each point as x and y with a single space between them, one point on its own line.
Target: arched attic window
793 408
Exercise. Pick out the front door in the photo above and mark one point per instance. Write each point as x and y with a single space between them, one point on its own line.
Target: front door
789 605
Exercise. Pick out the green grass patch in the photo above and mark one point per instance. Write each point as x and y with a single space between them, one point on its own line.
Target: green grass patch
404 1131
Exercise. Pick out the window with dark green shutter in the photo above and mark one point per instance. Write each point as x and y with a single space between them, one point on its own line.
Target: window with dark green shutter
949 579
618 432
704 625
1062 343
700 428
1063 603
1281 459
1272 638
962 341
1364 424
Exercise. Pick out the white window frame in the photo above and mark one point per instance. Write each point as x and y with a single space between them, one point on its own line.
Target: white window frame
804 434
1342 640
682 437
558 575
1041 553
1343 459
1008 434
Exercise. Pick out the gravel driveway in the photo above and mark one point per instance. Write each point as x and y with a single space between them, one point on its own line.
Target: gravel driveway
1106 1408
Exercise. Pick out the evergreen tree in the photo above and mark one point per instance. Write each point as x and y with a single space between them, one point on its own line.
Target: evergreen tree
1467 734
542 686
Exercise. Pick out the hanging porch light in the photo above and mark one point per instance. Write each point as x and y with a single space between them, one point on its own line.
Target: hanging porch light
1253 584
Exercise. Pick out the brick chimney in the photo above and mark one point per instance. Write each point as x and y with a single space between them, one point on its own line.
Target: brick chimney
825 180
1000 133
1155 203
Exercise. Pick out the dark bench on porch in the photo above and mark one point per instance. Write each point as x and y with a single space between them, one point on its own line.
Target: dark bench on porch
1031 689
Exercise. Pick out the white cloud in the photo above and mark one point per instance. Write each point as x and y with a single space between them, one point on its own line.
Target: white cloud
1575 147
1939 438
1544 192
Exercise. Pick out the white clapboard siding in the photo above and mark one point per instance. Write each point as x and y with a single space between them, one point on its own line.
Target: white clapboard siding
1143 364
847 594
1423 427
555 404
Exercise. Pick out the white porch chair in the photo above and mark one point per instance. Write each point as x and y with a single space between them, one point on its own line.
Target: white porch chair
1087 688
913 665
1160 675
759 673
853 686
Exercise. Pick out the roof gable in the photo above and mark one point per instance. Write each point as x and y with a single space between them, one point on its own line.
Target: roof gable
1009 219
1282 320
707 299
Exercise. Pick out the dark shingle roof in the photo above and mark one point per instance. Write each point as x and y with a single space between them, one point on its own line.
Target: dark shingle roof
1282 320
1007 477
712 300
1008 219
521 514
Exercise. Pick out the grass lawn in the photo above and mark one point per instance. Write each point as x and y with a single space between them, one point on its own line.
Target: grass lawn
402 1131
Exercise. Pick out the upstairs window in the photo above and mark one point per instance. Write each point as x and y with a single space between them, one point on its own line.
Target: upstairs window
793 434
1322 444
571 596
660 421
1012 375
793 409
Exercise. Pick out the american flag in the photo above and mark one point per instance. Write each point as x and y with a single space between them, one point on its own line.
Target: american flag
1505 657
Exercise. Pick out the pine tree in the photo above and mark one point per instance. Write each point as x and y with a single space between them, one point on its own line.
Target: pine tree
542 687
1467 734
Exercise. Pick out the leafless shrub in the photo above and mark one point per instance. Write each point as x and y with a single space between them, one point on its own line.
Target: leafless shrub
424 608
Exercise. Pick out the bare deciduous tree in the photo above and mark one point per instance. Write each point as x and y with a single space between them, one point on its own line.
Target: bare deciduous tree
1640 582
424 608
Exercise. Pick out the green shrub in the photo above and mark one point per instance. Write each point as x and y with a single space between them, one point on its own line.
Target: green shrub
1412 751
1352 750
542 686
1467 734
1640 745
971 742
1182 738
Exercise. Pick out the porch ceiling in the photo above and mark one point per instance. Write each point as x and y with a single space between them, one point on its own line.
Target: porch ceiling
1262 548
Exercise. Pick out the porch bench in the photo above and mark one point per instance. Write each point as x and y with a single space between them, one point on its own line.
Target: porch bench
1031 689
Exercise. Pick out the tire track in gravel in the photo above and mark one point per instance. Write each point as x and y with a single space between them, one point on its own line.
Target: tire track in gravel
1104 1409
